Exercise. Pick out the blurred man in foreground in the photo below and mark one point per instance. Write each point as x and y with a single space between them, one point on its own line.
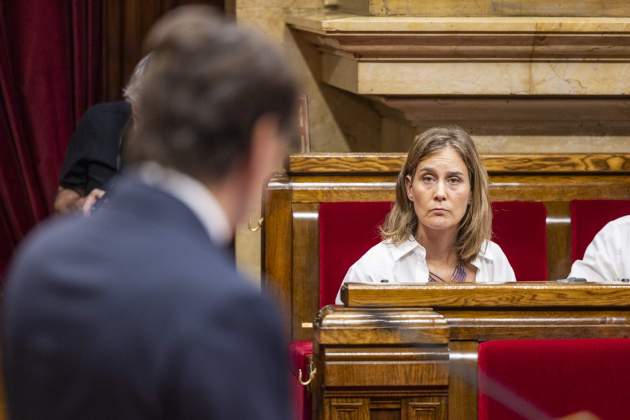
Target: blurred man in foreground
136 313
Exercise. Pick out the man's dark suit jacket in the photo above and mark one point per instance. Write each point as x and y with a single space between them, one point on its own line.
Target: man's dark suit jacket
93 155
134 314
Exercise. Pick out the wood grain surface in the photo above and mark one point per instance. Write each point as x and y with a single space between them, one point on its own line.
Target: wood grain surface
476 295
390 163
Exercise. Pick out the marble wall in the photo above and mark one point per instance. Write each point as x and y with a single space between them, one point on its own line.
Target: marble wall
486 7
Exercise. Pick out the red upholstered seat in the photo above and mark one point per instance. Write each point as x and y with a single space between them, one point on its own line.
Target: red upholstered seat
346 232
588 217
520 229
556 377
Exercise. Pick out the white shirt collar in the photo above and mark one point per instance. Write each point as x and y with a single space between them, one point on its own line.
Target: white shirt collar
194 195
410 245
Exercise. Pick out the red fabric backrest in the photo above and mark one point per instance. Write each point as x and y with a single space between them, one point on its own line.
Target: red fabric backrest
557 377
519 227
588 217
346 231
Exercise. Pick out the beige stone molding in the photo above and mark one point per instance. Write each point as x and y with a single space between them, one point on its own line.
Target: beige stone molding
487 7
471 56
331 22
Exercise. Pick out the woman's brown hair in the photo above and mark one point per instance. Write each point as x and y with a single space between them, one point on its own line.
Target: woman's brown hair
475 227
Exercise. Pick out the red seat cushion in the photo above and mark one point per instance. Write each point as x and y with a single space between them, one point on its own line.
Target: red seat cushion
588 217
300 353
520 229
557 377
346 231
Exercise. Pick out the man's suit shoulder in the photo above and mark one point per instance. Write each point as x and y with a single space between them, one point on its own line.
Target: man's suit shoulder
105 108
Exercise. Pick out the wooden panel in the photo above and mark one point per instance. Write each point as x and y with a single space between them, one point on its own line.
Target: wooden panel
113 72
408 327
430 408
125 25
362 353
390 163
462 379
484 324
468 326
509 295
316 189
400 374
354 163
347 409
559 187
384 413
305 269
277 236
558 239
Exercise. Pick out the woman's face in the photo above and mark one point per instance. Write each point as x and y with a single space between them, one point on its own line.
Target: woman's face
440 190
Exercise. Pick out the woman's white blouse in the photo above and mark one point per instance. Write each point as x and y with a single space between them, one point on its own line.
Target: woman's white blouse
406 262
607 258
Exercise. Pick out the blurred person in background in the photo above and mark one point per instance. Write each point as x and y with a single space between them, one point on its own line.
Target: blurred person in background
94 152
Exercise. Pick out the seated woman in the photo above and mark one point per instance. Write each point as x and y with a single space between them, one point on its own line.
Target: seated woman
605 259
439 228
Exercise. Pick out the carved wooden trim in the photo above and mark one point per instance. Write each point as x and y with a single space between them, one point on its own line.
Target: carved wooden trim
356 163
390 163
508 295
424 410
277 239
558 163
408 327
347 408
395 373
487 324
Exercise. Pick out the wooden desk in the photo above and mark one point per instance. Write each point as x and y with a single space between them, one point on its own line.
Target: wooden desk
291 230
410 351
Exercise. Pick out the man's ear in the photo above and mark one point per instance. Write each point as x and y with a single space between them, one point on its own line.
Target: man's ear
265 154
266 147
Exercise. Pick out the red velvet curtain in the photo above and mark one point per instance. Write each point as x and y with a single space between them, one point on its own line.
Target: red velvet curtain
49 74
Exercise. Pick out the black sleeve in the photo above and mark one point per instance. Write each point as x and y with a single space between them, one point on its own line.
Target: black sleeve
74 172
234 367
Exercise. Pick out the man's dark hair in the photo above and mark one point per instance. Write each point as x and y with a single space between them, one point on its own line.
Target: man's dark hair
209 82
